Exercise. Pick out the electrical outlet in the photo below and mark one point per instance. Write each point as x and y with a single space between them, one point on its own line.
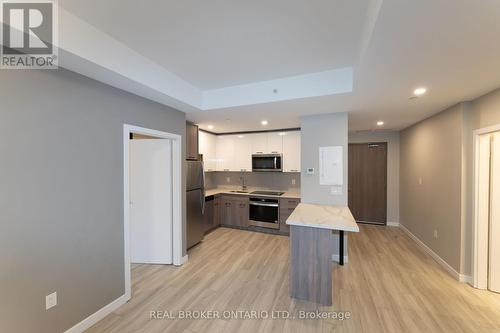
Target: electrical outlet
293 182
336 190
435 233
50 300
228 180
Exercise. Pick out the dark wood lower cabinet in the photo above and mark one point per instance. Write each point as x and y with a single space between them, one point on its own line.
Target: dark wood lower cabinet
211 215
234 211
287 206
226 211
240 214
208 215
217 208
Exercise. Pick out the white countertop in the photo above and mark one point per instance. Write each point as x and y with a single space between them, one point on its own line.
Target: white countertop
323 217
219 190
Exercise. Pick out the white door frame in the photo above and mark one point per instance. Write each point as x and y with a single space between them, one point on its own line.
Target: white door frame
177 192
478 238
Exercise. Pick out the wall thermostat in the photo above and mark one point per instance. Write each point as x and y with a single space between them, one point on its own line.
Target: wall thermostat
310 171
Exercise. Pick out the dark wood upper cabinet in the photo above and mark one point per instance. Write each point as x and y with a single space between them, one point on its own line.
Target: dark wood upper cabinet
191 141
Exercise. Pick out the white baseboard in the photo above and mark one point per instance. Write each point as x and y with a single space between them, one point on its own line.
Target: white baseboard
435 256
466 279
336 258
183 260
393 224
97 316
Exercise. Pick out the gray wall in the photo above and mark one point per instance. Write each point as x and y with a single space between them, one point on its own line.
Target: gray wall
281 181
442 148
392 139
61 197
482 112
432 151
322 131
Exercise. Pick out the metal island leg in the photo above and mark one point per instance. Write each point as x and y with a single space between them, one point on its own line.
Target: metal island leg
341 247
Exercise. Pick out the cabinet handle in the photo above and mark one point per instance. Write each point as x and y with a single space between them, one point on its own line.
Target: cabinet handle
259 152
294 170
226 169
242 205
274 152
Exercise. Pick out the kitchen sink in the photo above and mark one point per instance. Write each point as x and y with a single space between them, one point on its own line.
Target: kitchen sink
238 191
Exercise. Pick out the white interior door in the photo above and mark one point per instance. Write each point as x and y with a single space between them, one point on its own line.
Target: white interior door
494 241
483 210
151 201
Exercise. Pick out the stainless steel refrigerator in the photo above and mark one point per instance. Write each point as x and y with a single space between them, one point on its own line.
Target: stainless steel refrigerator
195 200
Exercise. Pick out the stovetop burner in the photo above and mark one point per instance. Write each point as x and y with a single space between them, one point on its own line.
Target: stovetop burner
267 193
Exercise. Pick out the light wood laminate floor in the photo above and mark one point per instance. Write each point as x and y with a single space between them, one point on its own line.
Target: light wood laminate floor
388 285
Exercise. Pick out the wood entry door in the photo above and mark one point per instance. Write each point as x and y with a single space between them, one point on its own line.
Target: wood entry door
368 182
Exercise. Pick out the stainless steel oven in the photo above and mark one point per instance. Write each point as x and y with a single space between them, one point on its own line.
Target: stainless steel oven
264 212
267 162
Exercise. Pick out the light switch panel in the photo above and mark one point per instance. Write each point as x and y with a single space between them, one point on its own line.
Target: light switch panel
50 301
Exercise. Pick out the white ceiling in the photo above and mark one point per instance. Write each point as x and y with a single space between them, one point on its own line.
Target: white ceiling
449 46
216 44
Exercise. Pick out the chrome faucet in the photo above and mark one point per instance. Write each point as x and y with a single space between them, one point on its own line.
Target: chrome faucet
243 185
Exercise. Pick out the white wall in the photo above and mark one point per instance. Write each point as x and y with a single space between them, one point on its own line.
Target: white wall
392 139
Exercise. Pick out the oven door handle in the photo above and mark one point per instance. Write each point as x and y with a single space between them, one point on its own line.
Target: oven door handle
264 204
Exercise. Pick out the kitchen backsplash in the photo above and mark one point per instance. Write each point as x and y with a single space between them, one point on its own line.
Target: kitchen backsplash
266 180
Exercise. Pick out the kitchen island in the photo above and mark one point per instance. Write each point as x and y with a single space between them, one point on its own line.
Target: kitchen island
312 229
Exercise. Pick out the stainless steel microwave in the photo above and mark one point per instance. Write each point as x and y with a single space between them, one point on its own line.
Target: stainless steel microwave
267 162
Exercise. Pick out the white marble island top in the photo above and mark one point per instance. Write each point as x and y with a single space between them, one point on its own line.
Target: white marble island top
323 217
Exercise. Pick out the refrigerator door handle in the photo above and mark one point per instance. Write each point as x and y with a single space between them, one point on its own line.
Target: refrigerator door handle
202 190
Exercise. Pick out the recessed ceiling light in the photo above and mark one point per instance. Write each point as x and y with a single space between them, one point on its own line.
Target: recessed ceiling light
419 91
210 126
264 122
380 123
